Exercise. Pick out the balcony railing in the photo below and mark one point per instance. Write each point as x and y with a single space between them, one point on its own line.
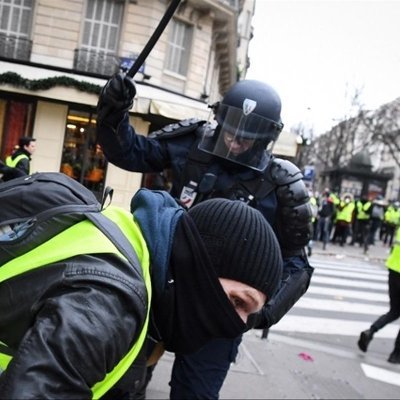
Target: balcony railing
96 62
15 47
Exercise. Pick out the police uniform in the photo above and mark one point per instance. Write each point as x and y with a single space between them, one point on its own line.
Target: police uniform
278 192
202 168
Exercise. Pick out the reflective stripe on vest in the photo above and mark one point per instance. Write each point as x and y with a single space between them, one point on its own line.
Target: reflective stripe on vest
393 261
14 162
95 242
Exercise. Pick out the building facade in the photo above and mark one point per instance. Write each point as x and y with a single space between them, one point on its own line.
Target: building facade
56 55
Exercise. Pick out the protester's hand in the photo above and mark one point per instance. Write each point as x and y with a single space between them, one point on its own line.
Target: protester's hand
116 97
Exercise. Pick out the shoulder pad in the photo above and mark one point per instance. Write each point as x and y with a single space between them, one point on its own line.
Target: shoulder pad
283 172
178 129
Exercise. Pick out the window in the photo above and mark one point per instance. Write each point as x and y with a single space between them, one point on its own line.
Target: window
16 120
15 24
100 37
82 157
179 43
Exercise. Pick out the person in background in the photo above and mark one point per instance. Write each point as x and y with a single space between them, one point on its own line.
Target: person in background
362 222
21 157
377 215
392 220
314 213
393 265
344 218
73 325
228 156
325 214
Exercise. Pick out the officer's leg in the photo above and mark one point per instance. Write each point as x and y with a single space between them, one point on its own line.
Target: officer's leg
201 375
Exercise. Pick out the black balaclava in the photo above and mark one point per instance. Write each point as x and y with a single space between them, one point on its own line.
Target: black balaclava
216 238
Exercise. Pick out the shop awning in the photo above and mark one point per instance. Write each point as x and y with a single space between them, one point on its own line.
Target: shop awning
149 99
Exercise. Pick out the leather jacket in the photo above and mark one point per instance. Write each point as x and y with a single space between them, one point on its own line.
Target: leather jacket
38 313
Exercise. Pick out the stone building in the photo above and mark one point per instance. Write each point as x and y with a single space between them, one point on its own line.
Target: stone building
56 55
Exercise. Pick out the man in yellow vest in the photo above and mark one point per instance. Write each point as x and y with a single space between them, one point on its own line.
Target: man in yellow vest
363 208
392 221
20 159
393 264
344 218
75 310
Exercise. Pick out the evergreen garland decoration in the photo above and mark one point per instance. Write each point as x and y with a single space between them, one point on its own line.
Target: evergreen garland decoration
14 79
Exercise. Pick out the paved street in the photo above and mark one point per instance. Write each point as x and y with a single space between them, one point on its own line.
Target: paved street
312 352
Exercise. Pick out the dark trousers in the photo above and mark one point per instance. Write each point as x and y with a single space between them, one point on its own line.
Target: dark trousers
323 229
394 311
201 375
342 230
389 234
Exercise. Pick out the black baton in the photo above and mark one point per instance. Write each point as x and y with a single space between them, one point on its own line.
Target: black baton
154 38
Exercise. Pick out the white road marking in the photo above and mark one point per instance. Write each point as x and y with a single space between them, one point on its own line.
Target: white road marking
340 306
346 282
330 326
350 274
381 374
345 293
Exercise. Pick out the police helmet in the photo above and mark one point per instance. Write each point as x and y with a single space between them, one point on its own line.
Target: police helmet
254 108
248 114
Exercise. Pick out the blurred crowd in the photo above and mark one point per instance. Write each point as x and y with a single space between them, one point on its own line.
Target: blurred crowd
346 220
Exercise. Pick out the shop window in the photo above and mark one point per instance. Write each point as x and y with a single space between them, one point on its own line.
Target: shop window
16 120
82 157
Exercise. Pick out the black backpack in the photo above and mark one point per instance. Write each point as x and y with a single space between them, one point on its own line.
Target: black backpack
36 207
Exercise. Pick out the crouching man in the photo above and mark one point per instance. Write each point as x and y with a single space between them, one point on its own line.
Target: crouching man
75 326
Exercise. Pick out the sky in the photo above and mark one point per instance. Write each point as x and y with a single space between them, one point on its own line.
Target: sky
318 53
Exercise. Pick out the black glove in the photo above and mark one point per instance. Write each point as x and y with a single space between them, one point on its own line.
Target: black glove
116 97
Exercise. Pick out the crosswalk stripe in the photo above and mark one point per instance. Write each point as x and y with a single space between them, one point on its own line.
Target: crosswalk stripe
381 374
346 294
339 306
346 282
360 268
330 326
357 275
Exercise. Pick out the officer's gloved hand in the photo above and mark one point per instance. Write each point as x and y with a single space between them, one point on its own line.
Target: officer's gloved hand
116 98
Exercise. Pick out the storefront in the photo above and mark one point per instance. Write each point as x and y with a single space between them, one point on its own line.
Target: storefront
54 108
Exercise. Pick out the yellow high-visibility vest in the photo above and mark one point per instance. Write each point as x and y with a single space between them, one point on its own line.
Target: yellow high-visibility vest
95 242
393 261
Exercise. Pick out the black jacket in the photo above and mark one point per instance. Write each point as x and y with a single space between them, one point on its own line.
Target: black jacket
39 312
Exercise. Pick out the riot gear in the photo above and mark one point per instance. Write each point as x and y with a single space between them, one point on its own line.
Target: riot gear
245 122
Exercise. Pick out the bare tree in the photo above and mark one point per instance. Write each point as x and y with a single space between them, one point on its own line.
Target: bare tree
382 127
335 148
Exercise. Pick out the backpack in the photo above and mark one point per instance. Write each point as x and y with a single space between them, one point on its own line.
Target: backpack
36 207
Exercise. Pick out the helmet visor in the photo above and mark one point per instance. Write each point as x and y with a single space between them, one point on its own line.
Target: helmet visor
249 126
234 147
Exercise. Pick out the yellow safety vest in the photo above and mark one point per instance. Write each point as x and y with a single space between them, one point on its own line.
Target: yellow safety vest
95 242
346 213
362 210
393 261
14 162
392 216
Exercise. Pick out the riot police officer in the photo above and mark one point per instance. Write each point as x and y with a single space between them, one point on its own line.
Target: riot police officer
230 157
